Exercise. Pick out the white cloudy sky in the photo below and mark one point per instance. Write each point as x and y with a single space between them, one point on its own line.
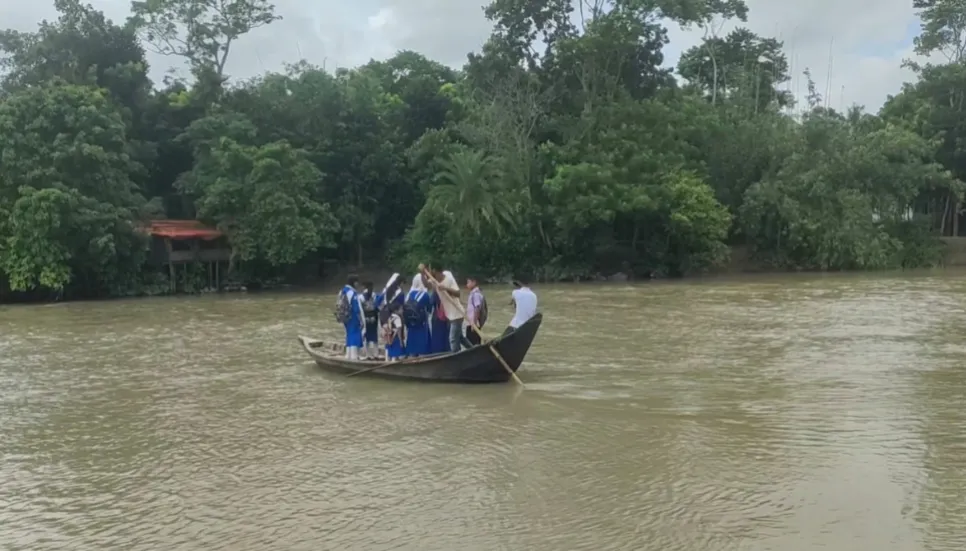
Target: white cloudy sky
867 39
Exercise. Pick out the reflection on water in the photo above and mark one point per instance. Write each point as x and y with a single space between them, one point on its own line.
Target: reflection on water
777 413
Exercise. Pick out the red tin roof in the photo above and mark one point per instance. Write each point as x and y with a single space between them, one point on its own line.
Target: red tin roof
182 229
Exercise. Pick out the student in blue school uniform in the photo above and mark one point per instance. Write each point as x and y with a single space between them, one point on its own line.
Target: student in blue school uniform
438 328
395 334
416 311
348 311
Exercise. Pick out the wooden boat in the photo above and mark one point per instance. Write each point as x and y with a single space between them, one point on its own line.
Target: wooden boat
472 365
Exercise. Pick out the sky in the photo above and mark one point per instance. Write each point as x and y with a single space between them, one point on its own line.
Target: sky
865 39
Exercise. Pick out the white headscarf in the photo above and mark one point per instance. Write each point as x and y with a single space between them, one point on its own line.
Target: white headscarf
418 283
390 283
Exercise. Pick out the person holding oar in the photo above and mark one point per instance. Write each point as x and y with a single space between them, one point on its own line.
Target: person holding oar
443 282
432 281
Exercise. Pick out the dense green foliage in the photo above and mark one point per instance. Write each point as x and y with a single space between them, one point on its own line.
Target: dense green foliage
581 157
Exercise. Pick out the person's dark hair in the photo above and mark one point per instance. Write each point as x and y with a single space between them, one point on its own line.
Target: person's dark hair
368 285
520 281
352 280
472 278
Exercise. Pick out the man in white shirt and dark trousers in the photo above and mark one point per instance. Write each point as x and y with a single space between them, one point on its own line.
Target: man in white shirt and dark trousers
525 302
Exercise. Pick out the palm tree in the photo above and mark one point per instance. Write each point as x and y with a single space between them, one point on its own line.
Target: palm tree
468 189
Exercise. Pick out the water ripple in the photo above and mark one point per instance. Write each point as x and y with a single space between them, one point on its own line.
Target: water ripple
784 413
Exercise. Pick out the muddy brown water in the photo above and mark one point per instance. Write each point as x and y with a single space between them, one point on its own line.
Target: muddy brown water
783 413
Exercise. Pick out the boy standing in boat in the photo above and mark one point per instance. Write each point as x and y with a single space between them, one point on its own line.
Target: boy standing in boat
476 311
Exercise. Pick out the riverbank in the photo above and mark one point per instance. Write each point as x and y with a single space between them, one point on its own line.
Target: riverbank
740 263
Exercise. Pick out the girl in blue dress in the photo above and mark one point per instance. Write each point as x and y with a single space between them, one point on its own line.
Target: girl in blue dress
354 319
383 306
416 317
438 328
369 297
395 334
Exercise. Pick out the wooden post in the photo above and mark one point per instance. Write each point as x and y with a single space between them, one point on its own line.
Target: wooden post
172 278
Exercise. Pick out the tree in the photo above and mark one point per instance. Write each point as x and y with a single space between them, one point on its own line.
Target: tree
467 191
844 202
67 188
639 189
201 31
261 196
943 28
745 68
417 82
81 47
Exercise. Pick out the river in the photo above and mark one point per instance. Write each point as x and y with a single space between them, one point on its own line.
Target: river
777 413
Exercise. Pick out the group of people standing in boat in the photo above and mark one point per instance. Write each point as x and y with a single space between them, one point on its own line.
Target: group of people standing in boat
427 319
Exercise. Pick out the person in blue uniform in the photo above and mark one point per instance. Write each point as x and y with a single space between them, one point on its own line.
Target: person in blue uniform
438 328
395 334
353 318
416 318
371 347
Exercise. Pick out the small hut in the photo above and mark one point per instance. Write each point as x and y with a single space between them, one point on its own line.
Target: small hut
178 243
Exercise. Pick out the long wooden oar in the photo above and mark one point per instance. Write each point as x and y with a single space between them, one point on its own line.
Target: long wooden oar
492 348
384 364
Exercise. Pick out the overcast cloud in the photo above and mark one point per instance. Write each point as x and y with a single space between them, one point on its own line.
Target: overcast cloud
867 39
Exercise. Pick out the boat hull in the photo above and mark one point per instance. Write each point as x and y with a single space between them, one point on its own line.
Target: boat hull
473 365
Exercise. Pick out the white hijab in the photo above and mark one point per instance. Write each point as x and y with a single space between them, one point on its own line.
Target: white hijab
418 283
390 283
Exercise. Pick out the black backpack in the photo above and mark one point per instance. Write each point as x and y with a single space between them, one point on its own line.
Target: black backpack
414 313
369 307
482 314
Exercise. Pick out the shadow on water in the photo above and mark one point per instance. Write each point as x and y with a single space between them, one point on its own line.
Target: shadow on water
753 414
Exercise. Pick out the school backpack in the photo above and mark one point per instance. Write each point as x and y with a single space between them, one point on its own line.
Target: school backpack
343 309
414 314
482 314
369 307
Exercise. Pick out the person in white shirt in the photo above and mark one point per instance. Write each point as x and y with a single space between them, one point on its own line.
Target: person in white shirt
449 296
525 302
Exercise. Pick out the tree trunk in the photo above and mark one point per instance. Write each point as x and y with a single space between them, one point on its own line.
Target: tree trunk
714 81
942 223
956 219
